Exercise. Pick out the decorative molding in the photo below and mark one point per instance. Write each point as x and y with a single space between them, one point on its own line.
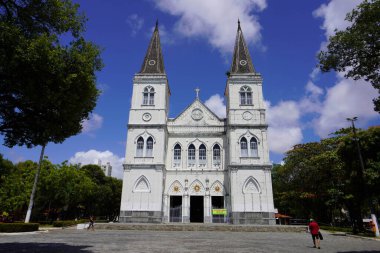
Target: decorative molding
196 188
251 185
176 188
141 185
146 116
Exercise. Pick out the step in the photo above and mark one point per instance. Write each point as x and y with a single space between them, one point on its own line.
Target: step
200 227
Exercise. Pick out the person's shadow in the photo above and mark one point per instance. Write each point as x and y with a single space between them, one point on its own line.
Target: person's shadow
42 248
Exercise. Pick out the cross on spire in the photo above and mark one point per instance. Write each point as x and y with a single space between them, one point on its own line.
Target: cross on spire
197 92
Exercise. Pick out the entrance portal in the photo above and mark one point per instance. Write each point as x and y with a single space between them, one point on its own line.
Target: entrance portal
217 202
196 208
175 208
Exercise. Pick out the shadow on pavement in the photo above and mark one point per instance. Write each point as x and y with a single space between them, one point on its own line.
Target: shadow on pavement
361 251
42 248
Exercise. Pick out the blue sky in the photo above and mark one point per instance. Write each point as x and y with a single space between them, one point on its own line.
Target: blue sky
197 39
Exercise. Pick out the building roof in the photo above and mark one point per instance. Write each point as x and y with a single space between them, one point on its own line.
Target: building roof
153 61
241 60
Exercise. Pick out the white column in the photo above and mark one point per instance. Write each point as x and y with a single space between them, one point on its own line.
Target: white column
166 208
186 209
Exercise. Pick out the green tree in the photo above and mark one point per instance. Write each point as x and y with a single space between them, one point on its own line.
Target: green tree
15 189
356 50
47 74
6 167
303 185
63 192
107 196
319 179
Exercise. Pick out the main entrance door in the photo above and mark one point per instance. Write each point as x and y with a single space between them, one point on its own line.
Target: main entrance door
196 208
175 208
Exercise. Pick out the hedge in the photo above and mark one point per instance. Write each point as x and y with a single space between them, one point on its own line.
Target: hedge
18 227
337 229
67 223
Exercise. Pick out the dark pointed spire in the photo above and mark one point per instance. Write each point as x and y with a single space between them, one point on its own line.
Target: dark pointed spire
153 61
241 60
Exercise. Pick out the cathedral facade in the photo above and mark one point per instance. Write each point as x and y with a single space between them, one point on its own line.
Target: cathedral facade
197 167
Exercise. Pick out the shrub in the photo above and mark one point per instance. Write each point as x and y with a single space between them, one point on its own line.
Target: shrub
337 229
66 223
18 227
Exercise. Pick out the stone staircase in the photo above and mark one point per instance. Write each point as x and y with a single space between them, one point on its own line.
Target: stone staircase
199 227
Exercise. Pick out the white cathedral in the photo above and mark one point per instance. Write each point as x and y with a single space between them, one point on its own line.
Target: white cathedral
197 167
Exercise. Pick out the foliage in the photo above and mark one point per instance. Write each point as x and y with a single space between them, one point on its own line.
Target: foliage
321 179
47 71
5 168
47 74
356 50
18 227
336 229
16 187
67 223
64 192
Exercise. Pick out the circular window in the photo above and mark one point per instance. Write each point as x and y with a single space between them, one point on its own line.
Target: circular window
197 114
247 115
243 62
152 62
147 116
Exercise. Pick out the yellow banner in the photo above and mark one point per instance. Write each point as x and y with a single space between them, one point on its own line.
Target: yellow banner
219 212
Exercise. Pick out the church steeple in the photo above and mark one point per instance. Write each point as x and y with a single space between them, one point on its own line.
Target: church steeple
241 60
153 61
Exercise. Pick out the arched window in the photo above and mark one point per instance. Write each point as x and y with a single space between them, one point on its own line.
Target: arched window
177 155
191 155
202 156
243 147
245 96
148 96
216 155
253 147
149 147
140 147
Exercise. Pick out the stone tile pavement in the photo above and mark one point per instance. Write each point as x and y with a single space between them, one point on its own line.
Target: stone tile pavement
109 241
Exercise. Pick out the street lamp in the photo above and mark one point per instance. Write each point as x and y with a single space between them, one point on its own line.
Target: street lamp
373 216
357 142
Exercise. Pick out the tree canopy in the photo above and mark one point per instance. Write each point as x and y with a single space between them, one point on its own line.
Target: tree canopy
47 71
65 191
356 50
47 74
324 179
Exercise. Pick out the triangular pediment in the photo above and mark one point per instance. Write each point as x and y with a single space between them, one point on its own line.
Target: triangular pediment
197 114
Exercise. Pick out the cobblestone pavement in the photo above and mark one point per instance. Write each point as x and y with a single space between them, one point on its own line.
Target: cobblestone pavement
108 241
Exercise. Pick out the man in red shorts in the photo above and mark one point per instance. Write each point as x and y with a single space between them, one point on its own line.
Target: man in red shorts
314 231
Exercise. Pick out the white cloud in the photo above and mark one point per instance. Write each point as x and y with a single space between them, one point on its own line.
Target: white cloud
216 104
284 129
334 14
135 22
311 102
215 20
93 156
93 123
346 99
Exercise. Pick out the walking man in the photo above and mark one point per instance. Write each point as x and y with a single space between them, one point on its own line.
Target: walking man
314 231
91 224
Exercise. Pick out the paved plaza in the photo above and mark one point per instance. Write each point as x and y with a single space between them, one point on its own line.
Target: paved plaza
108 241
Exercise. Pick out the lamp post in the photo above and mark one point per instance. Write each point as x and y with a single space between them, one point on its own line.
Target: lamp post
357 143
373 216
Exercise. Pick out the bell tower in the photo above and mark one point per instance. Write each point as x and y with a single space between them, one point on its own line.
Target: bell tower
249 165
146 139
